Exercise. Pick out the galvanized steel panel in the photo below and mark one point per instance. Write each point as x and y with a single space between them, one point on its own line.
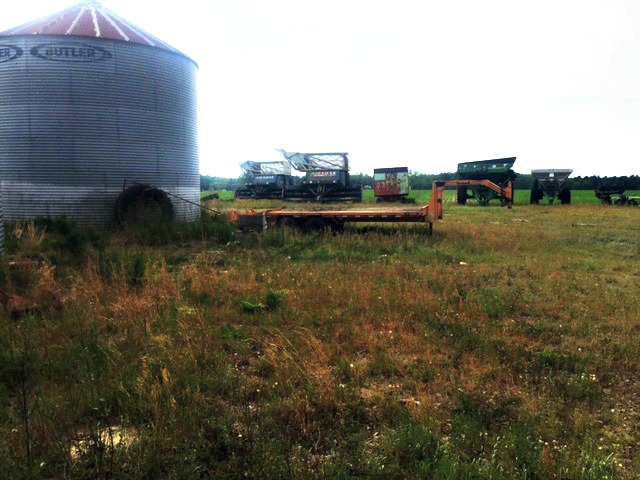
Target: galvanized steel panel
81 116
1 230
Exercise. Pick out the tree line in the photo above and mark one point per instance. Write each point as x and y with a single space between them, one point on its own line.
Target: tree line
423 181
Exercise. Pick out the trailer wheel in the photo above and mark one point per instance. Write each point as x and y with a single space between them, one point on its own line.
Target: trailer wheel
288 222
315 225
565 196
462 195
483 200
536 196
337 226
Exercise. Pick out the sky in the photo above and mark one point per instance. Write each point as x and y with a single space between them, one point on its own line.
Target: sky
405 83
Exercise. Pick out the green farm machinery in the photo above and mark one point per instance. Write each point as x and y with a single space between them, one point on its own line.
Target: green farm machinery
614 195
551 183
497 171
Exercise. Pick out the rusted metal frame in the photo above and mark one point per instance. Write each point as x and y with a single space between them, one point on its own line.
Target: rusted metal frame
433 211
429 213
505 192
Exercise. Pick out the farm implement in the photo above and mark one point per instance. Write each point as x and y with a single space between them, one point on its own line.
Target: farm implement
326 178
497 172
391 184
614 195
321 220
265 180
551 183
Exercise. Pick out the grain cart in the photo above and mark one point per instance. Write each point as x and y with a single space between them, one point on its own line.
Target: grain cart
551 183
496 171
614 195
391 184
265 180
326 178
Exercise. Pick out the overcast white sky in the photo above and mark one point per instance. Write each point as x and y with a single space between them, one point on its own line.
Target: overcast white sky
424 84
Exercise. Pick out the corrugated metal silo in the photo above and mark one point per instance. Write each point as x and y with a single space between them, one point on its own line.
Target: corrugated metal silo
1 229
89 102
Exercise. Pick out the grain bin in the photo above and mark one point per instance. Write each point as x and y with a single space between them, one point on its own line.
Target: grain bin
91 105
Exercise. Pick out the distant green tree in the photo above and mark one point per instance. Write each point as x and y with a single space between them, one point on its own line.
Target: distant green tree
217 183
363 179
205 183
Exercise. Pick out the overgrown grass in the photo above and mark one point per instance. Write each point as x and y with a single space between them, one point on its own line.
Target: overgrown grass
504 346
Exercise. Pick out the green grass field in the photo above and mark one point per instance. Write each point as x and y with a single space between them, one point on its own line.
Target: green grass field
504 346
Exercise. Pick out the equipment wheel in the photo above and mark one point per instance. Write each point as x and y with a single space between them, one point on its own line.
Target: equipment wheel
337 226
315 225
288 222
483 200
462 195
536 196
565 196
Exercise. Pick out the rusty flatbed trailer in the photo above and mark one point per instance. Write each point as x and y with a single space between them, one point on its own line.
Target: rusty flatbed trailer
323 219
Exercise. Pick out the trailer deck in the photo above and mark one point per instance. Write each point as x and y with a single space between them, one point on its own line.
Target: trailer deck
356 215
314 220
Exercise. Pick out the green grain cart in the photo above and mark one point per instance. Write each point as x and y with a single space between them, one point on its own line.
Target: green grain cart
497 171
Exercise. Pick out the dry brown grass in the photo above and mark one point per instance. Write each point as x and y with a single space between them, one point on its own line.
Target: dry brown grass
286 343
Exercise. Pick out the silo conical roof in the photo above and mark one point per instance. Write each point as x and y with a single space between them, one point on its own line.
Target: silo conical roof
89 18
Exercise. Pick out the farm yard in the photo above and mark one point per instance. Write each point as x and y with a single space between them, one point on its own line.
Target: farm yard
521 197
503 346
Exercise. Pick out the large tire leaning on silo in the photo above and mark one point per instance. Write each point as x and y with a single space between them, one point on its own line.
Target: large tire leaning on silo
565 196
462 195
143 205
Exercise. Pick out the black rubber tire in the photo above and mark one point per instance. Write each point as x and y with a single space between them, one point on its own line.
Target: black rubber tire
337 226
565 196
536 196
462 195
288 222
315 225
142 204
